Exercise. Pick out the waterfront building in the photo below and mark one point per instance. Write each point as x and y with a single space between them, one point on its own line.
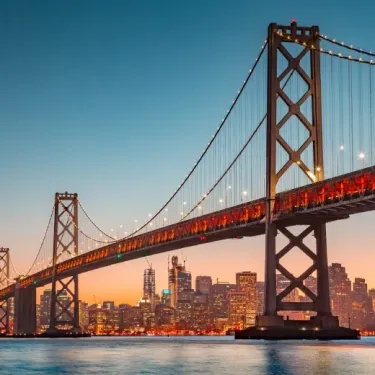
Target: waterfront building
149 285
340 293
220 299
237 309
179 279
247 282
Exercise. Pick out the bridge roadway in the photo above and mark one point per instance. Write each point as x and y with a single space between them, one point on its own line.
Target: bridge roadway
328 200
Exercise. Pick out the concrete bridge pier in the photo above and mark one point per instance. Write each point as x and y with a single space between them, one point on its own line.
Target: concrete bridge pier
24 310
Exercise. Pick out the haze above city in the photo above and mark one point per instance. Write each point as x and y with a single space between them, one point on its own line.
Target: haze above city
116 104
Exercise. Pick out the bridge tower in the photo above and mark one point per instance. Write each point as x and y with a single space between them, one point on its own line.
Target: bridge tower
278 37
64 296
4 281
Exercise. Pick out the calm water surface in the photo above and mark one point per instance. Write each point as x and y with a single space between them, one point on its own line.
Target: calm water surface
186 355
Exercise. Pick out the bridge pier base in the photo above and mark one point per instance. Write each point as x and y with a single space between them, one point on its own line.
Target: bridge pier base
24 310
272 326
4 317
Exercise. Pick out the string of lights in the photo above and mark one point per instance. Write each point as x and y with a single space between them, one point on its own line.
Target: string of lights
86 235
93 223
218 130
347 46
236 158
41 245
328 52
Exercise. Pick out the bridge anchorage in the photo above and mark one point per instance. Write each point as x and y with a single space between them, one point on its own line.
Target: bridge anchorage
271 325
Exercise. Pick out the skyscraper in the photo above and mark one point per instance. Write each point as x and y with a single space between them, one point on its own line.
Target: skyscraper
45 308
361 304
149 285
247 282
179 280
340 293
260 297
203 284
220 298
371 293
237 309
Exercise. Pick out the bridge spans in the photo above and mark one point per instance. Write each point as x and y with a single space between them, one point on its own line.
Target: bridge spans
293 140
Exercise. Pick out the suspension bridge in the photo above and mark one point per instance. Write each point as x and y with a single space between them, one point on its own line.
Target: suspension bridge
294 149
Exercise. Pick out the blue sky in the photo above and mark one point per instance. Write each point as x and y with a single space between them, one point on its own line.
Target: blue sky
114 100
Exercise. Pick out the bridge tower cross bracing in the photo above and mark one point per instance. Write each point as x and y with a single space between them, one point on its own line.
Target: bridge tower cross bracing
320 302
65 243
4 281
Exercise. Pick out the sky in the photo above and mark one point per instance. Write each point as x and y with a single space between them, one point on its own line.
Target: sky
114 100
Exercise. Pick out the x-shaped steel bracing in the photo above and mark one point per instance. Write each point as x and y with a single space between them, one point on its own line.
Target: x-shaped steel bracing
295 282
294 66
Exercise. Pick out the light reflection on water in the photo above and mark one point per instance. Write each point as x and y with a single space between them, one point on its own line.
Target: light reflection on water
185 355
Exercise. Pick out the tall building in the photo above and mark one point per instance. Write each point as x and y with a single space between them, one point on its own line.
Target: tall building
45 309
146 314
371 293
149 285
220 299
247 282
83 315
183 314
203 284
164 316
237 309
179 279
260 297
340 293
129 318
361 305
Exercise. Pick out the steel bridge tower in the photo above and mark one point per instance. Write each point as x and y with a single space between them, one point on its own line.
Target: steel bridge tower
64 296
4 281
320 302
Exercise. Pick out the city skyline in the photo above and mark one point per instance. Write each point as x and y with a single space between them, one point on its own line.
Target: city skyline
201 303
128 180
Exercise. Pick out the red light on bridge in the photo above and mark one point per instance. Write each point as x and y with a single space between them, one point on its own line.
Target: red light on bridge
203 238
294 20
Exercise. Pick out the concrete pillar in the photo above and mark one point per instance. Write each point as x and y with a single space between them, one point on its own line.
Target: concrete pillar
24 310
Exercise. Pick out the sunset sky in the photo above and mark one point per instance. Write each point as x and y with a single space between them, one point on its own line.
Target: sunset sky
114 100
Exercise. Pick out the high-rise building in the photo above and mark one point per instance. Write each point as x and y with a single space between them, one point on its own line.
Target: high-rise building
361 304
371 293
203 284
179 279
340 293
45 309
164 316
260 297
183 314
146 314
149 285
220 299
83 315
247 282
129 318
201 317
237 309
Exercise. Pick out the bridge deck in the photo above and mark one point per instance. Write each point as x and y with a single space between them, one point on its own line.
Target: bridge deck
328 200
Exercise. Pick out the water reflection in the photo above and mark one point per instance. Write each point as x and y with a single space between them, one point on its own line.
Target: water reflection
170 356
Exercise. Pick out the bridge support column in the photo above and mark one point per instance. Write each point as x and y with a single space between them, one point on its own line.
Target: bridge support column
4 281
64 297
24 310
